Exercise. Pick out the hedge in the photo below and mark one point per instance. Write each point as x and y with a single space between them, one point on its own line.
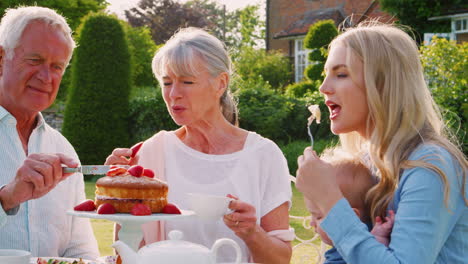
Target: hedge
96 114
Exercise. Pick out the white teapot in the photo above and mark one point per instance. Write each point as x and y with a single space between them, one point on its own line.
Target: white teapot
174 251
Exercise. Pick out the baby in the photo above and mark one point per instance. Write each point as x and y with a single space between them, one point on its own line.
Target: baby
354 180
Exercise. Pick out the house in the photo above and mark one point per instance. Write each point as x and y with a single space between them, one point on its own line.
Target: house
288 21
459 28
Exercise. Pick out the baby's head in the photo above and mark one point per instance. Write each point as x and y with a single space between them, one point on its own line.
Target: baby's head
354 180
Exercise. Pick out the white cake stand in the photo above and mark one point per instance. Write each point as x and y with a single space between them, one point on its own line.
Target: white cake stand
130 232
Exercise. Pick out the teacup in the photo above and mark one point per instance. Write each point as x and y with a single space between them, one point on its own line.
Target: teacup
14 256
208 206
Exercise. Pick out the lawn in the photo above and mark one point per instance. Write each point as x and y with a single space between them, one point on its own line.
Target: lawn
103 230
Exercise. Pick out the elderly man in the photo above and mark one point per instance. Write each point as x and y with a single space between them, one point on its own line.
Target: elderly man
35 48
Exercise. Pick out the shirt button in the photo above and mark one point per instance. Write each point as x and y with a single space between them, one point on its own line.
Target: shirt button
11 122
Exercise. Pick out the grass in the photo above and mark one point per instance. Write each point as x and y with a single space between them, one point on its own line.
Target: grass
103 230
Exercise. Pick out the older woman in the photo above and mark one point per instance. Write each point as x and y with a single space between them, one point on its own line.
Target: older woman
210 154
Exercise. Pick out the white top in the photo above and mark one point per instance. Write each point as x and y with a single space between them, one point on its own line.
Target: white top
42 226
258 174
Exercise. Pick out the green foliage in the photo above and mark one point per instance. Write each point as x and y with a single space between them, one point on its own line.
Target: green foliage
320 34
316 55
251 26
415 13
142 49
446 69
318 37
97 109
239 28
273 67
73 10
298 90
278 117
296 148
148 115
315 71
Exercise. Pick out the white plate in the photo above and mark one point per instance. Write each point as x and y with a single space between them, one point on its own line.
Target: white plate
132 218
34 260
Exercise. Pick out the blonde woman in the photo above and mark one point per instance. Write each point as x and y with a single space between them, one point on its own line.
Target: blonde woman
381 107
210 154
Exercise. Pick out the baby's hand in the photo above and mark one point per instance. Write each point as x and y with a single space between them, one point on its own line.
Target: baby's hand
382 230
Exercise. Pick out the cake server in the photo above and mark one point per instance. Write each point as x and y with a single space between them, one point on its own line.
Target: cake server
91 169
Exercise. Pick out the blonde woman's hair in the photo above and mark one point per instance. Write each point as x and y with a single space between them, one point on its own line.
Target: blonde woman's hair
180 54
402 112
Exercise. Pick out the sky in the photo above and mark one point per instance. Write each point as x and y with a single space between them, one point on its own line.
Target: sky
118 6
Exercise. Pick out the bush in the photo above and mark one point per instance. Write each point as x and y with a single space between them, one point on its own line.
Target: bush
142 49
257 64
278 117
298 90
446 69
148 115
317 39
296 148
96 113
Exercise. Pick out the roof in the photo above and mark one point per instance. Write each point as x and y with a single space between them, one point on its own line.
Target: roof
301 27
453 13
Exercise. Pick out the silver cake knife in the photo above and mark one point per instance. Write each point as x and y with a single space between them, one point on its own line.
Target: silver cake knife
91 169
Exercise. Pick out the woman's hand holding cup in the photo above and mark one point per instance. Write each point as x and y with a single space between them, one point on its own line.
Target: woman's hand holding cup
243 220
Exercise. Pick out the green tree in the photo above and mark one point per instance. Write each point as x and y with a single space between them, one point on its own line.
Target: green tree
164 17
446 70
142 49
97 108
273 67
250 27
415 13
73 10
318 37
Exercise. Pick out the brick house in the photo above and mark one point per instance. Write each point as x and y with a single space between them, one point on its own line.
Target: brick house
287 23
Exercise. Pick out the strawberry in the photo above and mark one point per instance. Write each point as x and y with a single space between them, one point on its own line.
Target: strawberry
148 173
87 205
171 209
136 148
114 171
140 209
136 170
106 208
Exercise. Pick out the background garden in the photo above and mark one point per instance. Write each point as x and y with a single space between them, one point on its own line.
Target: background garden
109 97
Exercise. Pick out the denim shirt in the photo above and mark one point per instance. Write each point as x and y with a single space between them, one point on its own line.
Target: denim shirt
425 230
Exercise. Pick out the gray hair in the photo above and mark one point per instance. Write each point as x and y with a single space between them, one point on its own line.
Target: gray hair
16 20
179 53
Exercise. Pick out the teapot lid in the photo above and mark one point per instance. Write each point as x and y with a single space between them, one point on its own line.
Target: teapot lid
175 245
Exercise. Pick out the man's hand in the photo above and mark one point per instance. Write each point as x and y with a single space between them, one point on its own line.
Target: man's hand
39 174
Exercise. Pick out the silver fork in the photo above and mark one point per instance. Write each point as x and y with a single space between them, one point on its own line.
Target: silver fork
310 135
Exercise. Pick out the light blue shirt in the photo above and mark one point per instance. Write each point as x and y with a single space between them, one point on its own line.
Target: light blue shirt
42 226
425 230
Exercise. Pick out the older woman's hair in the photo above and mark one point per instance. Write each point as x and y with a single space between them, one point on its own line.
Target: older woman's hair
179 55
402 112
16 20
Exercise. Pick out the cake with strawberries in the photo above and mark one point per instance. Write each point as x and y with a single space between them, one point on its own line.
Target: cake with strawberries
123 189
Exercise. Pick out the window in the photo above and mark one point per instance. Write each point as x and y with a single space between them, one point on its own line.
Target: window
460 25
301 60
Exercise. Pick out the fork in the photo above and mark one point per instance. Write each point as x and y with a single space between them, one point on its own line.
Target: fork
310 135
